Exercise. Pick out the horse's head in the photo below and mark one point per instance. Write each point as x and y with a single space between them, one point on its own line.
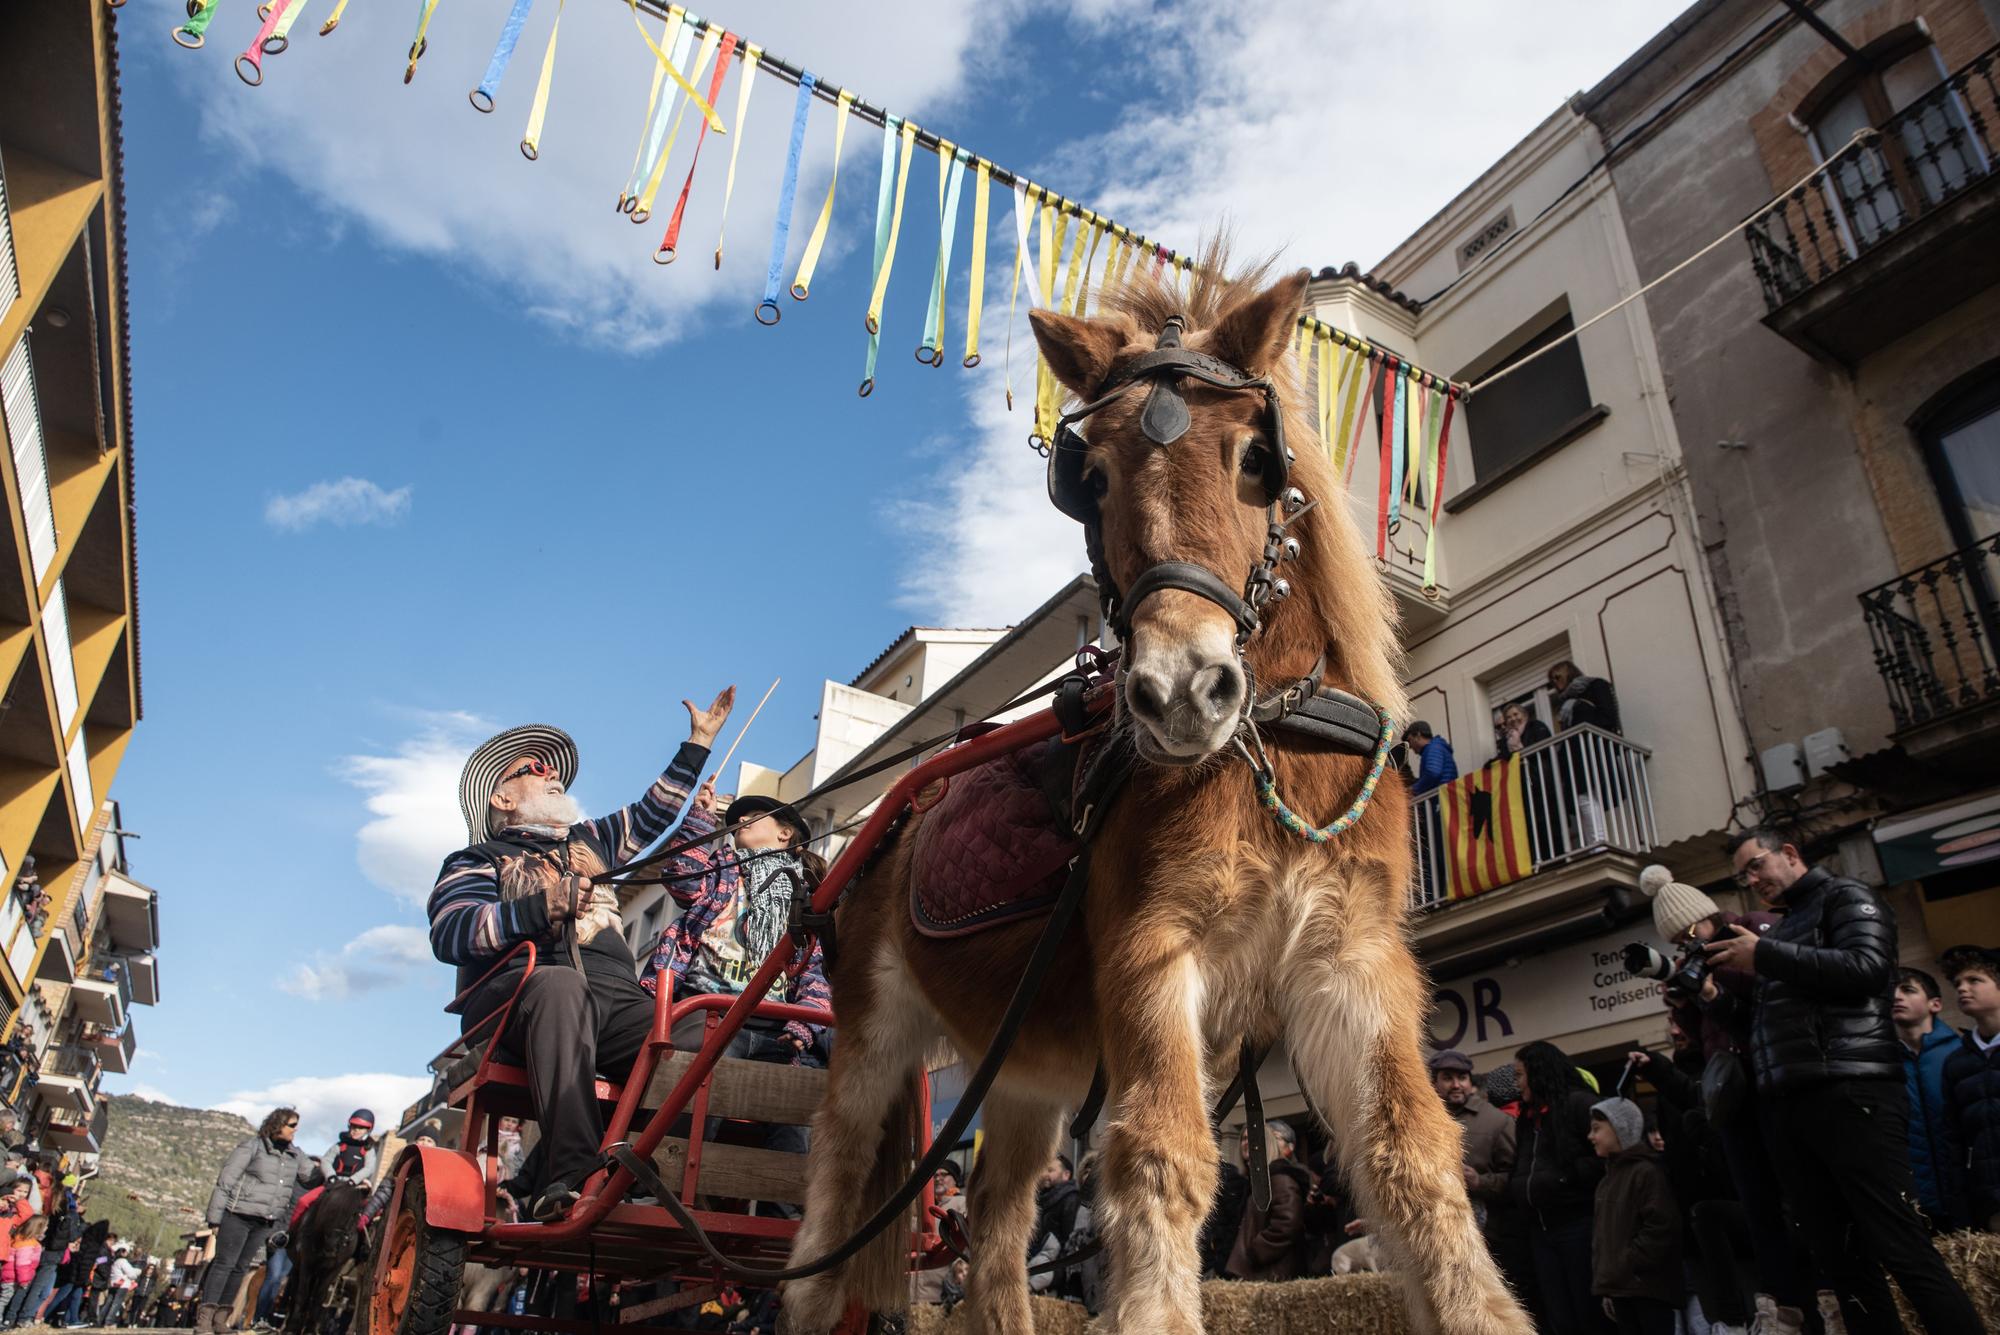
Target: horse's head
1184 473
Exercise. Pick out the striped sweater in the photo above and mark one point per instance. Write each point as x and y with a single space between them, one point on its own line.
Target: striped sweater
481 908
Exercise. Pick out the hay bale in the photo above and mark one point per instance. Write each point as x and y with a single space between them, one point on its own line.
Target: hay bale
1051 1318
1974 1259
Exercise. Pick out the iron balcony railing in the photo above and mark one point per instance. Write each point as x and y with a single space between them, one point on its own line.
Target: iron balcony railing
1581 792
1918 160
1933 635
75 1060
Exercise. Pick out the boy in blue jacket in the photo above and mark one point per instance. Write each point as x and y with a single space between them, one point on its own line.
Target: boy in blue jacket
1927 1042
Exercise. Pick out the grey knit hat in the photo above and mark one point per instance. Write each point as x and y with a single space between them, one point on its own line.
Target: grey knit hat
1625 1119
1676 905
482 773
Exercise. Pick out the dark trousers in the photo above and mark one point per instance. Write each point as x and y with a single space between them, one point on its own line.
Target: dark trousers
1562 1273
1784 1268
239 1242
1722 1279
1842 1154
568 1028
1642 1316
111 1308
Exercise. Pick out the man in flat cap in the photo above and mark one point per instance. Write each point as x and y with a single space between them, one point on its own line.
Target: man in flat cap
527 875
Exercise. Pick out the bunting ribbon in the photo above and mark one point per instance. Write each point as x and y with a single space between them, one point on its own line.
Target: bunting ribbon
281 35
333 19
1381 392
673 72
885 245
670 32
711 38
1089 262
753 54
503 52
254 54
194 33
802 285
1398 441
420 43
670 244
1019 195
1354 374
1051 228
788 188
951 177
1441 453
531 139
982 183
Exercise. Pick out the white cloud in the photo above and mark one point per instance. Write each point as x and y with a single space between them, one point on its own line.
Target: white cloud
426 174
348 501
152 1092
413 803
379 957
324 1102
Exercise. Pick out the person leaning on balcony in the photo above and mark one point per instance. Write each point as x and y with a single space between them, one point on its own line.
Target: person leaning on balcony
526 876
1518 732
1580 699
1435 764
253 1196
1830 1081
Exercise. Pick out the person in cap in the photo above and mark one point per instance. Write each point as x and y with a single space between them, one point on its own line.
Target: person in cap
353 1153
736 904
527 876
1487 1132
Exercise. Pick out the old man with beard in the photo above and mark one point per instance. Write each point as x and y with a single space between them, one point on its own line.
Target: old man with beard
527 876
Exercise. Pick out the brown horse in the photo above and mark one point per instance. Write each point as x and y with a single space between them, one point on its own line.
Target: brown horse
1205 922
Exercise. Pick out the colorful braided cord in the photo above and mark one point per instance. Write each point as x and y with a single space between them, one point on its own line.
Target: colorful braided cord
1267 793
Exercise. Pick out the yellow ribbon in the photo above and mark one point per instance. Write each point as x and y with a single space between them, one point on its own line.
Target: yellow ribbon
707 112
753 55
1353 375
982 183
531 142
1054 220
417 46
711 38
667 31
1024 197
1325 388
334 20
909 139
802 285
1070 293
1089 261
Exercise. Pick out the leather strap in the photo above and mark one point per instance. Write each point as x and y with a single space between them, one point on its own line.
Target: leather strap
1253 1130
1191 578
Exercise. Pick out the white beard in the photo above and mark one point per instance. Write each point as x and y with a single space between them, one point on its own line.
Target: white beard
550 809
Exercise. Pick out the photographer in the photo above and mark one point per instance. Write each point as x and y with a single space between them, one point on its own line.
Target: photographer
1712 1007
1830 1076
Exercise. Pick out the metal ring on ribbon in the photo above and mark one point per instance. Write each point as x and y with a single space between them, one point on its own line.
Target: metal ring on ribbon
798 293
640 215
771 306
527 149
666 254
193 41
867 387
477 105
275 46
972 361
243 60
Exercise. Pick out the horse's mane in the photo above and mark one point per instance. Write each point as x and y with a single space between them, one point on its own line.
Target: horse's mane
1334 574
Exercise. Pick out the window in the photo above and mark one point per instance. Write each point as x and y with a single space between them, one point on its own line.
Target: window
1511 422
1526 685
1961 443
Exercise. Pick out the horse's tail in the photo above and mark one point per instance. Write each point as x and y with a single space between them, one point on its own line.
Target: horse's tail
880 1275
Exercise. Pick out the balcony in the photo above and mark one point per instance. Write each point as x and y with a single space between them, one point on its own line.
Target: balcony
132 913
1895 228
113 1050
1538 840
144 971
58 958
103 999
69 1076
1932 630
78 1135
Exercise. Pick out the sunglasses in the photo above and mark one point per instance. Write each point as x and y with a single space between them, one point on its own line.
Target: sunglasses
541 769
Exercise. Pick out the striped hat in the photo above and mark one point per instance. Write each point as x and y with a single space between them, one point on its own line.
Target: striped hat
483 770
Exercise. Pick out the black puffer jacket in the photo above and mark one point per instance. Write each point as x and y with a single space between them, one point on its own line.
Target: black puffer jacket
1826 975
1556 1171
1972 1102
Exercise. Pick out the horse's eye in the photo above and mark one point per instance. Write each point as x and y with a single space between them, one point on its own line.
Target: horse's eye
1255 460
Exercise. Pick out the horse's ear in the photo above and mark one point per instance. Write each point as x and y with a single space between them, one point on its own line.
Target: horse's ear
1079 351
1254 332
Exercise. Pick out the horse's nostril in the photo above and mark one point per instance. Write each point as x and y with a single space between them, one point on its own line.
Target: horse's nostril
1145 694
1225 693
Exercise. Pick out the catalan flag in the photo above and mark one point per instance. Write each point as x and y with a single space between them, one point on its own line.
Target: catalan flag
1486 829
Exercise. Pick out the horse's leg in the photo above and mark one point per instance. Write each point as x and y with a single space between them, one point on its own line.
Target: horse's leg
1158 1167
1020 1141
1353 1000
876 1062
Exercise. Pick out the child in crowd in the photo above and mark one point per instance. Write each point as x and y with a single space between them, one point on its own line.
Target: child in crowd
23 1257
1635 1251
1972 1080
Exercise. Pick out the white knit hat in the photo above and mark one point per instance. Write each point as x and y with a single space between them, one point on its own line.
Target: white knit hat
482 770
1677 906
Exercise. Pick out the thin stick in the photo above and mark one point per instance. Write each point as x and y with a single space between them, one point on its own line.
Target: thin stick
746 727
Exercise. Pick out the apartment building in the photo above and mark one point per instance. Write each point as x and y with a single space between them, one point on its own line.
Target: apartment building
69 650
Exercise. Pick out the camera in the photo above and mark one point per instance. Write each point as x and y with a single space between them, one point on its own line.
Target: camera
1683 974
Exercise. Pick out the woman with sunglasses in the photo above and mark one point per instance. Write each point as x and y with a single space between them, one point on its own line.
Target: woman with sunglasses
253 1194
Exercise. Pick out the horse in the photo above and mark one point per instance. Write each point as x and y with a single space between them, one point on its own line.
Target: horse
325 1242
1206 924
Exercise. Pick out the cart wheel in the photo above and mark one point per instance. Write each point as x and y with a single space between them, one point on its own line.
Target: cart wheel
417 1272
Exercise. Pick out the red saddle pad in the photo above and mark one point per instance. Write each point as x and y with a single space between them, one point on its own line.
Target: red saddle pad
991 851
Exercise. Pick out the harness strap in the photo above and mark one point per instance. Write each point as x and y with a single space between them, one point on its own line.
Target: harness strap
1253 1129
1187 576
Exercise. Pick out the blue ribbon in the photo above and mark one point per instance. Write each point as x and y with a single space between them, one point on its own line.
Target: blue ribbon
1397 427
884 196
782 231
503 52
933 314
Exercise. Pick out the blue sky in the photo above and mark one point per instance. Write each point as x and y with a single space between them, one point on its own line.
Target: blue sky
425 445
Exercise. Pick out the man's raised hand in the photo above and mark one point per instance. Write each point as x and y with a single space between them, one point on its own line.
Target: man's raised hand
704 798
704 724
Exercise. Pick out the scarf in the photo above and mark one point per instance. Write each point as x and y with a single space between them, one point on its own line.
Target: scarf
764 887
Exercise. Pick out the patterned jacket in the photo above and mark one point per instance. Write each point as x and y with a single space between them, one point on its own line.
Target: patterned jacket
710 880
